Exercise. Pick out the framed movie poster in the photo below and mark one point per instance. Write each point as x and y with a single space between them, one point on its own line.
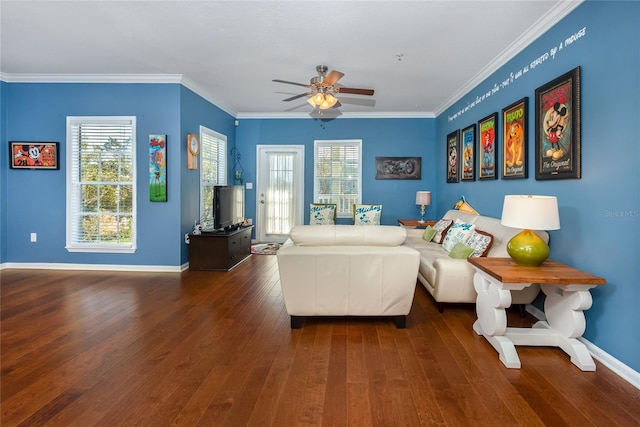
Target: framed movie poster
453 149
514 140
558 127
469 153
34 155
487 147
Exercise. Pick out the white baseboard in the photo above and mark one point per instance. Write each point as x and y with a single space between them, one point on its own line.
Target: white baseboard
95 267
619 368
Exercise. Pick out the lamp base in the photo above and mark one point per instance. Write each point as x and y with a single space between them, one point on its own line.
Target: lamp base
528 249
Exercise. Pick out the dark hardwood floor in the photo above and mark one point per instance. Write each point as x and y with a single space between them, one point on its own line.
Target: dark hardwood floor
85 348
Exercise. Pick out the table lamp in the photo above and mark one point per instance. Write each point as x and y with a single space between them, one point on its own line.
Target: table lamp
529 213
423 198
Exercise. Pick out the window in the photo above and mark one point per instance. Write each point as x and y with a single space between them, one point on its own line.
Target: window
101 184
213 171
338 174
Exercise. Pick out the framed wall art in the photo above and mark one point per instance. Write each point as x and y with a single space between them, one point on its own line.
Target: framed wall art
398 167
488 147
34 155
558 127
453 150
468 140
514 139
158 168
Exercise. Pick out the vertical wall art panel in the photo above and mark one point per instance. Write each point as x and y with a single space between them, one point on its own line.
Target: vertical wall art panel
158 168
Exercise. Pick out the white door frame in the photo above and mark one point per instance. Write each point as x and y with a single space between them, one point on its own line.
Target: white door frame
261 151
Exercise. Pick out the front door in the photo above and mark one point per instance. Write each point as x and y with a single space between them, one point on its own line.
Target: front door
280 191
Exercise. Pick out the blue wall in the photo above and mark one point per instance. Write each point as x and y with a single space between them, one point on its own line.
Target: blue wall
600 213
196 111
380 138
3 172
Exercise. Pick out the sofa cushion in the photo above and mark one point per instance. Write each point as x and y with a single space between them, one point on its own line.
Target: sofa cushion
428 234
348 235
460 250
481 242
441 229
367 214
458 232
322 213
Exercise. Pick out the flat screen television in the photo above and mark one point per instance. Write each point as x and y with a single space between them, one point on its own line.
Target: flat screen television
228 207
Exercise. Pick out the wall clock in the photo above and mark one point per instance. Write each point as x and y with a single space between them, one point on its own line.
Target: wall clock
193 149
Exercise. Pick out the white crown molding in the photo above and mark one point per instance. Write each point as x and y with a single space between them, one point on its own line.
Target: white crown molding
116 78
552 17
379 115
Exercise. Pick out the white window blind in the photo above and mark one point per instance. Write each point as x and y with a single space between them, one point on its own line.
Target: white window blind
213 171
280 206
338 174
101 184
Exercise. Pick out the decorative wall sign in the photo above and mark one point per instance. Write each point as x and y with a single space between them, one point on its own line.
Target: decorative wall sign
34 155
398 167
488 147
558 127
514 140
469 153
158 168
453 150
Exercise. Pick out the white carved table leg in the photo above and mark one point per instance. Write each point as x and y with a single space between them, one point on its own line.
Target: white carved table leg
491 303
563 309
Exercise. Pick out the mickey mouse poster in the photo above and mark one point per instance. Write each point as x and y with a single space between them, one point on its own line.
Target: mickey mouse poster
34 155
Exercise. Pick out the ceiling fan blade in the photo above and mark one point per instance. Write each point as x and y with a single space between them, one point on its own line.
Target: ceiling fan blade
297 96
354 91
289 83
332 78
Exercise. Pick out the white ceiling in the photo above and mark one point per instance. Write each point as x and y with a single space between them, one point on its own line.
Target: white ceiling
419 56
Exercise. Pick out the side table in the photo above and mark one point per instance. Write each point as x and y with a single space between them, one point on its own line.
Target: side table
415 223
567 296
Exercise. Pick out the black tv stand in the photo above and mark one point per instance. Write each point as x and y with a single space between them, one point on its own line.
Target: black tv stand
219 250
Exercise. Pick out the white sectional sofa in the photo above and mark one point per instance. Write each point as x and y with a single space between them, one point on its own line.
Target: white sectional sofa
347 270
450 280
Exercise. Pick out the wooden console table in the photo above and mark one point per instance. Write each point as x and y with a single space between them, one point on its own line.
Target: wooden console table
567 296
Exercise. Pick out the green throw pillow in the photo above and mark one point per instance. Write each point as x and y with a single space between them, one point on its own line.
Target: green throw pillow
429 232
460 250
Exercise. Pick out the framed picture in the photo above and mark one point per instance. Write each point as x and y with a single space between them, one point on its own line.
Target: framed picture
468 140
558 127
158 168
488 147
514 140
398 167
34 155
453 149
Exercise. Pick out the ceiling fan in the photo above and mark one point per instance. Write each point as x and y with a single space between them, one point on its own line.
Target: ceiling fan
322 89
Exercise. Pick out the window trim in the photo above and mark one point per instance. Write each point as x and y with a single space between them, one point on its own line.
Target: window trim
342 142
202 215
72 246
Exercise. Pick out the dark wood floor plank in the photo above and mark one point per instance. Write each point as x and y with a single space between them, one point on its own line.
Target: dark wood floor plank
91 348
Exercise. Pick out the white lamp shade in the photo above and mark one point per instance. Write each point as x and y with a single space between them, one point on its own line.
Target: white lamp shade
531 212
423 198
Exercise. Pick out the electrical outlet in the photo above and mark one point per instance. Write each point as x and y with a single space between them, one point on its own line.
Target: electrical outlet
186 238
34 237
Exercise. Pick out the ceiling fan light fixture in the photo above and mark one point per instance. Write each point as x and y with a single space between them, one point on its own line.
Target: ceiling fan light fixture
329 101
318 98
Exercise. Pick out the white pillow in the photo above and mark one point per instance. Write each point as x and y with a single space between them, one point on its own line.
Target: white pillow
367 214
459 232
322 214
